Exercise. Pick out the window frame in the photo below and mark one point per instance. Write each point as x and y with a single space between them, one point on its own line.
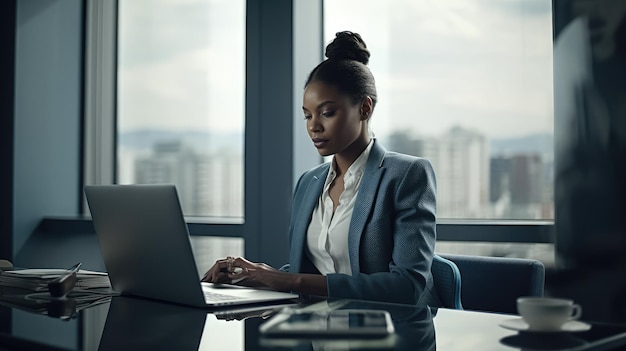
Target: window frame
286 30
272 163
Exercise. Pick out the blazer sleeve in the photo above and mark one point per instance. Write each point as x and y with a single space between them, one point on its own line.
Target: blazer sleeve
413 234
294 211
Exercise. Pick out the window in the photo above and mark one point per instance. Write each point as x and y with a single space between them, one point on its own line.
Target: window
181 100
467 85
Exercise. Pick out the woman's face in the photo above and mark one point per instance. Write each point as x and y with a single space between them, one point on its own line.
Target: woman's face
332 121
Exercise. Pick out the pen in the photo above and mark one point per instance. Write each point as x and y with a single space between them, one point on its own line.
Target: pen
75 268
62 285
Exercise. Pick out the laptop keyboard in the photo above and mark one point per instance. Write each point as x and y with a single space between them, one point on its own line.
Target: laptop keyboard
212 296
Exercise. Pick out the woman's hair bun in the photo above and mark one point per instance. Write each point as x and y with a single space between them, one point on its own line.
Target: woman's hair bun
348 46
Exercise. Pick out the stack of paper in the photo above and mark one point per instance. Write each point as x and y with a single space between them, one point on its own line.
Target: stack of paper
38 279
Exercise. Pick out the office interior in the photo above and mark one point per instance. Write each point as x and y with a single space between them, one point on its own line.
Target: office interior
49 113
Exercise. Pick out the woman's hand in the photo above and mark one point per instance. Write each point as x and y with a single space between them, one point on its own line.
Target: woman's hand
243 272
219 272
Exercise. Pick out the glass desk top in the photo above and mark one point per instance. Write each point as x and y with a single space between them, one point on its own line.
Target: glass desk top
126 323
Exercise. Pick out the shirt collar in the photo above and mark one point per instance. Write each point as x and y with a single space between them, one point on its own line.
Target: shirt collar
357 167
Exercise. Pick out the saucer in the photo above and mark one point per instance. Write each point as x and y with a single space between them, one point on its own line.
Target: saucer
543 341
520 325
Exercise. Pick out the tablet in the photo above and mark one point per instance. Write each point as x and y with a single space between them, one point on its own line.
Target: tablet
348 323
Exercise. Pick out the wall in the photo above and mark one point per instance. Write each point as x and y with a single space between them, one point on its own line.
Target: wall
48 84
46 149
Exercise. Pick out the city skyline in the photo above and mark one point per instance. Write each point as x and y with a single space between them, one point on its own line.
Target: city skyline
472 182
480 64
144 138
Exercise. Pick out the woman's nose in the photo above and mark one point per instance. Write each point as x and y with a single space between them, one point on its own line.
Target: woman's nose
314 124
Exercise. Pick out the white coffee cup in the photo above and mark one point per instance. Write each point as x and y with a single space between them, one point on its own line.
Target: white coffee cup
547 313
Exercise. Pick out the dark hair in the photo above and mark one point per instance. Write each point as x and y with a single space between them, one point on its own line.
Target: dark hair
346 68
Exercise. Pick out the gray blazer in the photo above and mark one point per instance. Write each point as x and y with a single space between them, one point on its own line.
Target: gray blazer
392 230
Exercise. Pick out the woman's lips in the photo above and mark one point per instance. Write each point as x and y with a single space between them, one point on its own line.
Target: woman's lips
319 143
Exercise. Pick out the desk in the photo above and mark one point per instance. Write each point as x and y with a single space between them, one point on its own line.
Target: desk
136 324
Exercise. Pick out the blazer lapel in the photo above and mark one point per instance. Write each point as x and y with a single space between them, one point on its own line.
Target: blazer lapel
365 201
312 193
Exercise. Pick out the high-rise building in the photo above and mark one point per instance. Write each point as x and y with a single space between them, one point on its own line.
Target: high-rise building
461 161
526 179
403 142
518 186
208 185
499 177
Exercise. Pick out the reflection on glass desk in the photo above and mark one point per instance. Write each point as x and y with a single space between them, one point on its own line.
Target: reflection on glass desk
127 323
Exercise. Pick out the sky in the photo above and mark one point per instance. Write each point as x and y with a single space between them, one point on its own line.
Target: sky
485 65
181 65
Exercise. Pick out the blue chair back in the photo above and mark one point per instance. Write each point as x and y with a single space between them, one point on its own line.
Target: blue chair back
493 284
447 281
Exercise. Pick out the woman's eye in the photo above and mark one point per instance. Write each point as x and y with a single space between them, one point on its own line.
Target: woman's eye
328 113
307 116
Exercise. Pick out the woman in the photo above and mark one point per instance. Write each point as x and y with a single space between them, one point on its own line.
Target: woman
362 225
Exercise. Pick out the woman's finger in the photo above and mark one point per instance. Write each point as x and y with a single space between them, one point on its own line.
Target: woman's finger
240 273
219 277
242 262
232 269
212 275
209 273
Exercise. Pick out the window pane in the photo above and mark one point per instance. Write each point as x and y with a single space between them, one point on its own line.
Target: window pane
468 85
180 94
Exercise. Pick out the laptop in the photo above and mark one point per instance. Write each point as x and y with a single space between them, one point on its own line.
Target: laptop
146 249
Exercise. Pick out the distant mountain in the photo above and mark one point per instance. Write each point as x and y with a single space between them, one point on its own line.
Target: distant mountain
197 140
146 139
542 144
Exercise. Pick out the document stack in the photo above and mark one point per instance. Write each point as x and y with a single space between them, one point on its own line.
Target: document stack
37 280
27 289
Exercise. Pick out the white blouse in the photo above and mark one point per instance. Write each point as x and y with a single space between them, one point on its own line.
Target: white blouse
327 235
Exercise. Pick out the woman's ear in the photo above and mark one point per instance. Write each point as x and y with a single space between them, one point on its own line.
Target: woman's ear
367 107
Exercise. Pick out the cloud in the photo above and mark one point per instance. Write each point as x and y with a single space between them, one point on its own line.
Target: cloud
182 65
445 63
438 63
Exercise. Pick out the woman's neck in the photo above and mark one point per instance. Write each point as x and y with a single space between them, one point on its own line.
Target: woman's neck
343 160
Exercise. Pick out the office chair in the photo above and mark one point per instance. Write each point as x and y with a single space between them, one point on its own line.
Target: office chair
493 284
447 280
